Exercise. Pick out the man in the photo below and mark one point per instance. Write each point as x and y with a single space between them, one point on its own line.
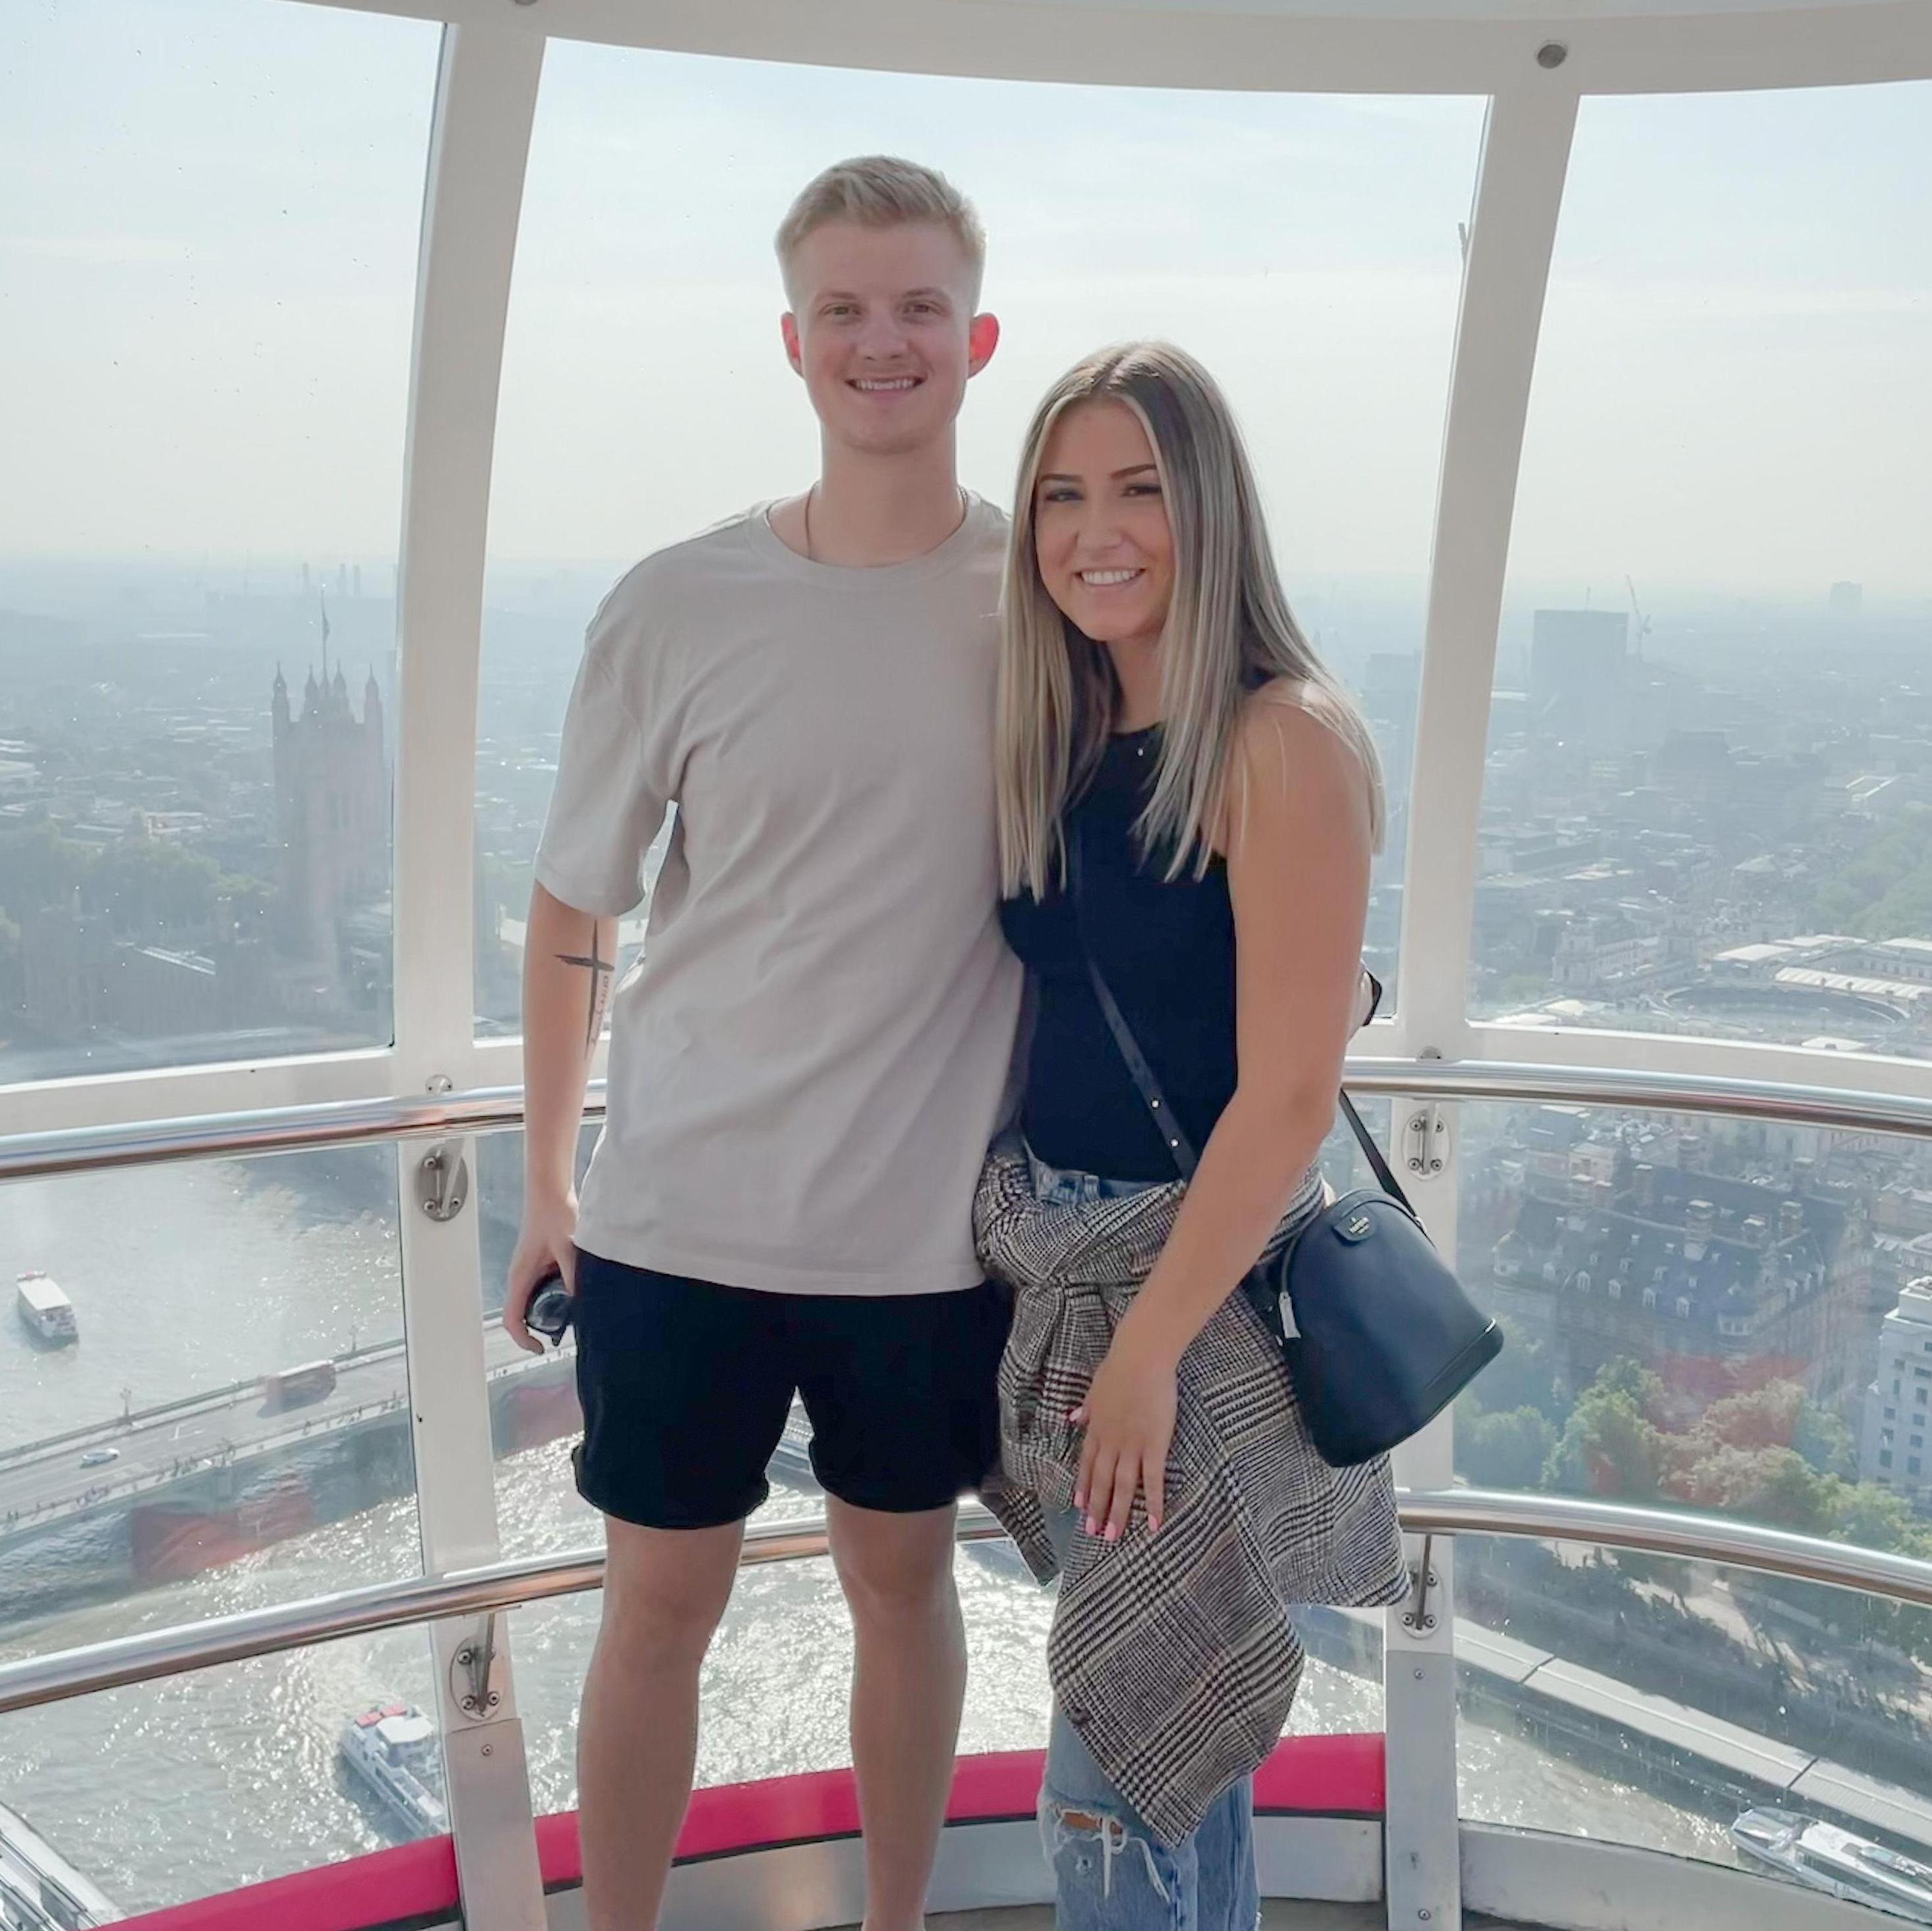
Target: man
806 1068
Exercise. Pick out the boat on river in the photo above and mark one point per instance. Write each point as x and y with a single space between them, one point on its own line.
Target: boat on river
1827 1858
393 1751
39 1891
44 1309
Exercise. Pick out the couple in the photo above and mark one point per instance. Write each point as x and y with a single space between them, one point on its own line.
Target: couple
888 723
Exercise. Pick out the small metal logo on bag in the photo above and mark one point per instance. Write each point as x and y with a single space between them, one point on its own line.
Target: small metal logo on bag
1358 1226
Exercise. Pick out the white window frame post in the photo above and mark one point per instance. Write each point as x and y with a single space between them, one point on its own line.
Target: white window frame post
1512 232
485 102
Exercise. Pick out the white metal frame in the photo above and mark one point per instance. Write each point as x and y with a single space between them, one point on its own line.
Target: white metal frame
1506 267
486 98
1371 46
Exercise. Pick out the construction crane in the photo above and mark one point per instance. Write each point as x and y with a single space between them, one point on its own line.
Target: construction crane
1642 621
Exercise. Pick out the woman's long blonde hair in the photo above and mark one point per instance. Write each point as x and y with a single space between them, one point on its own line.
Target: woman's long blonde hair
1228 630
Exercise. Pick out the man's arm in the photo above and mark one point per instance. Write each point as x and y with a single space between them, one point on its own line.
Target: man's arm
569 964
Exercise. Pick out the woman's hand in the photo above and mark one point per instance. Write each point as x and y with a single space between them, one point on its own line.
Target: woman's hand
1128 1418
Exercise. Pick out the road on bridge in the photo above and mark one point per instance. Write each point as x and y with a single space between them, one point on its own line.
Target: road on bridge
38 1485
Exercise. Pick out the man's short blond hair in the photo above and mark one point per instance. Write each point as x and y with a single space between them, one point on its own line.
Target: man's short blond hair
882 191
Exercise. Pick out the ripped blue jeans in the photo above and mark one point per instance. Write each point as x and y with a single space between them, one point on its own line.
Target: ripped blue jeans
1110 1871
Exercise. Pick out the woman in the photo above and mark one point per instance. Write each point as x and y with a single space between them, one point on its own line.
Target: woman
1189 801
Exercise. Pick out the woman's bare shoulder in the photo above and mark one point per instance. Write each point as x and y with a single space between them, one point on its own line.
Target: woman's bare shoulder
1293 722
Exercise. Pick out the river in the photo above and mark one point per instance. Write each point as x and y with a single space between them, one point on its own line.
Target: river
188 1277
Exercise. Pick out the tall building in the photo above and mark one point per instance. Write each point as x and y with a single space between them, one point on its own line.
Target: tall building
331 817
1391 690
1580 664
1898 1404
1622 1243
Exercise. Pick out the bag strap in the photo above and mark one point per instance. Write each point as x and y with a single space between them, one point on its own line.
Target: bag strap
1385 1174
1181 1148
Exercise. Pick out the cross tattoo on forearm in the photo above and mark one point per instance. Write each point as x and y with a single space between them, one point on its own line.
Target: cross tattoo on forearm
600 969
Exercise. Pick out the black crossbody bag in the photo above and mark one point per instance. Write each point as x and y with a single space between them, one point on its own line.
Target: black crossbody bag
1377 1334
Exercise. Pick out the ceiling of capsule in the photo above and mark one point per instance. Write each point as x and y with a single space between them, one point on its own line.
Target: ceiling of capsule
1380 46
1543 13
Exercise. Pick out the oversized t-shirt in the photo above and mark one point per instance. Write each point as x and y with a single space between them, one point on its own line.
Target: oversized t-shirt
808 1062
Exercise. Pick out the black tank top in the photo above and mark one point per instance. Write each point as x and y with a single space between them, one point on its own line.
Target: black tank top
1167 951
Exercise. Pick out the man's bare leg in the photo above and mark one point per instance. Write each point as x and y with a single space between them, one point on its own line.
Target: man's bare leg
908 1685
664 1590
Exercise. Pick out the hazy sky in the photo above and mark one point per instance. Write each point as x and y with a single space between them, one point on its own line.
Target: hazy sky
208 227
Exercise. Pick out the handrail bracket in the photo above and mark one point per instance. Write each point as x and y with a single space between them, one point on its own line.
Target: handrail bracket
1422 1578
472 1671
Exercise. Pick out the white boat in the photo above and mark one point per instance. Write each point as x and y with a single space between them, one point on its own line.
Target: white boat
392 1750
39 1891
791 1460
45 1309
1834 1861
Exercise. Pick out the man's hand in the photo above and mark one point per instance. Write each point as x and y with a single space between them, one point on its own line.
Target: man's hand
546 1243
1129 1418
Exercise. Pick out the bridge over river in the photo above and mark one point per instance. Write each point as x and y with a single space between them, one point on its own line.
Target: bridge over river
161 1445
198 1481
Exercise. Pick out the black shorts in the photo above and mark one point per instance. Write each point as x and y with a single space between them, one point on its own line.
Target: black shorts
685 1386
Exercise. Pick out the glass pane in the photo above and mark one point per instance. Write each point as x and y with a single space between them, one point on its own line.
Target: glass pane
1705 809
1699 1709
212 281
1327 312
1725 1315
167 1791
1344 1165
203 1396
778 1677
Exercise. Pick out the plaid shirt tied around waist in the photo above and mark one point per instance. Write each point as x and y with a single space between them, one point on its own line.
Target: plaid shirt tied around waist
1173 1655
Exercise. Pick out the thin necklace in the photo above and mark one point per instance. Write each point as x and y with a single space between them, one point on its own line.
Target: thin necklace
811 556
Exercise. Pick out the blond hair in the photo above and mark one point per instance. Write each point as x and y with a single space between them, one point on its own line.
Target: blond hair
882 191
1229 632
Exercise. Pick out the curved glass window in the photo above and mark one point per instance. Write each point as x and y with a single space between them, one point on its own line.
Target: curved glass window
1731 1317
209 268
1305 247
204 1410
1692 1709
204 1396
1708 803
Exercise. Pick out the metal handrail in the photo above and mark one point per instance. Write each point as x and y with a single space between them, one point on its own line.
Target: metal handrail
1910 1115
65 1674
278 1129
81 1149
1699 1538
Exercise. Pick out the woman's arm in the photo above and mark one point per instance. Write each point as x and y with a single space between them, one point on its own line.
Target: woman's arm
1297 848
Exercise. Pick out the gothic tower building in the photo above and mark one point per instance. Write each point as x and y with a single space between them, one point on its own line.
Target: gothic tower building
331 815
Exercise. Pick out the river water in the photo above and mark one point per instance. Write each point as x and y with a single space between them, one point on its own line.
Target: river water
189 1277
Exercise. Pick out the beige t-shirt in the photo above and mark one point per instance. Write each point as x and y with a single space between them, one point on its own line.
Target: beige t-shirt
807 1064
